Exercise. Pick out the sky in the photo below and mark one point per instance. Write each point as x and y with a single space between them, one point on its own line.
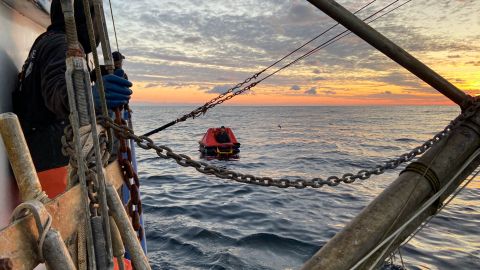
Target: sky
189 51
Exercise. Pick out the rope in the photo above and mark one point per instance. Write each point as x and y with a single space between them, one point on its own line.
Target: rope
431 217
98 73
426 172
430 176
41 240
78 115
38 211
113 22
230 93
441 208
427 204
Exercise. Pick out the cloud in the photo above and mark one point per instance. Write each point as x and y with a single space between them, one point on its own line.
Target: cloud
301 13
387 92
215 42
312 91
398 97
192 40
474 63
329 92
457 80
319 79
176 84
405 80
473 92
150 85
219 89
295 87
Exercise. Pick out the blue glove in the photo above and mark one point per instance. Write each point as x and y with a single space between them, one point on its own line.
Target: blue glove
117 90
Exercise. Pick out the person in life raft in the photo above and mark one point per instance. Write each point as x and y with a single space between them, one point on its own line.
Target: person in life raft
222 136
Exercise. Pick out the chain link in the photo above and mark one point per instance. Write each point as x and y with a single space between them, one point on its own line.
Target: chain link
212 103
165 152
130 177
68 149
220 99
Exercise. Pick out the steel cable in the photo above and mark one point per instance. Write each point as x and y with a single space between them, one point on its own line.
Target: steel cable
230 93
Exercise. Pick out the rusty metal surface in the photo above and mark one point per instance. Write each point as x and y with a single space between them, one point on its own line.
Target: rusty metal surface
19 239
125 157
20 159
5 264
127 232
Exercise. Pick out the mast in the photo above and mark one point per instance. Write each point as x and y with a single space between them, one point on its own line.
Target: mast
444 166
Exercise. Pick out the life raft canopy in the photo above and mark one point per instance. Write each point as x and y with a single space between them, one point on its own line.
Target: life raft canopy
214 143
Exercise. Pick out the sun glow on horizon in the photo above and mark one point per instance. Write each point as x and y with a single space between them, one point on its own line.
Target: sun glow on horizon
196 53
267 96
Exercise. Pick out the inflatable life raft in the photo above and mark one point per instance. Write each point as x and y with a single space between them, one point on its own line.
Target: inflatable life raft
210 145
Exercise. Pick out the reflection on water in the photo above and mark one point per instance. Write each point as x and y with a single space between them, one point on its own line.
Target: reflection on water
195 221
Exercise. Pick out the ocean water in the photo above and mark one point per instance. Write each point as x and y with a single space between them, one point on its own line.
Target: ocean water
194 221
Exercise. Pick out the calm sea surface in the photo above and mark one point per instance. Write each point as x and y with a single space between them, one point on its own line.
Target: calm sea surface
195 221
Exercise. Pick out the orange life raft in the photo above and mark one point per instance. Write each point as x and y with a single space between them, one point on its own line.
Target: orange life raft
210 146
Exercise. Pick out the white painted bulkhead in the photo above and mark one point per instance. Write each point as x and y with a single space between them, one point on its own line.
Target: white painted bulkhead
21 21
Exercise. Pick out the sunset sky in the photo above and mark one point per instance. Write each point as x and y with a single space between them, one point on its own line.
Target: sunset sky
186 51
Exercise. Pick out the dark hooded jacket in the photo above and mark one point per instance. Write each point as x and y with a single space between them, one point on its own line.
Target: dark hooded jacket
40 99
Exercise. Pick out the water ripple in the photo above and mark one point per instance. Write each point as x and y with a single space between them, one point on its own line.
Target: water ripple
195 221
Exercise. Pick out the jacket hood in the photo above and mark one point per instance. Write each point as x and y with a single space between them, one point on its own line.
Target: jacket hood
58 22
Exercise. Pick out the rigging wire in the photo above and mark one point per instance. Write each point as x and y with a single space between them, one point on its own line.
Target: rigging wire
382 15
337 37
427 221
403 209
113 22
255 76
309 53
315 38
230 93
441 208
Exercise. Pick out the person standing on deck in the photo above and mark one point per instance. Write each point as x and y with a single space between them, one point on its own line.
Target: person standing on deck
41 102
118 62
118 65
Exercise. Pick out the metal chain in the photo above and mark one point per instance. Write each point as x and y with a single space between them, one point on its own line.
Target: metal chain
205 168
229 94
68 149
224 98
212 103
219 99
130 177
